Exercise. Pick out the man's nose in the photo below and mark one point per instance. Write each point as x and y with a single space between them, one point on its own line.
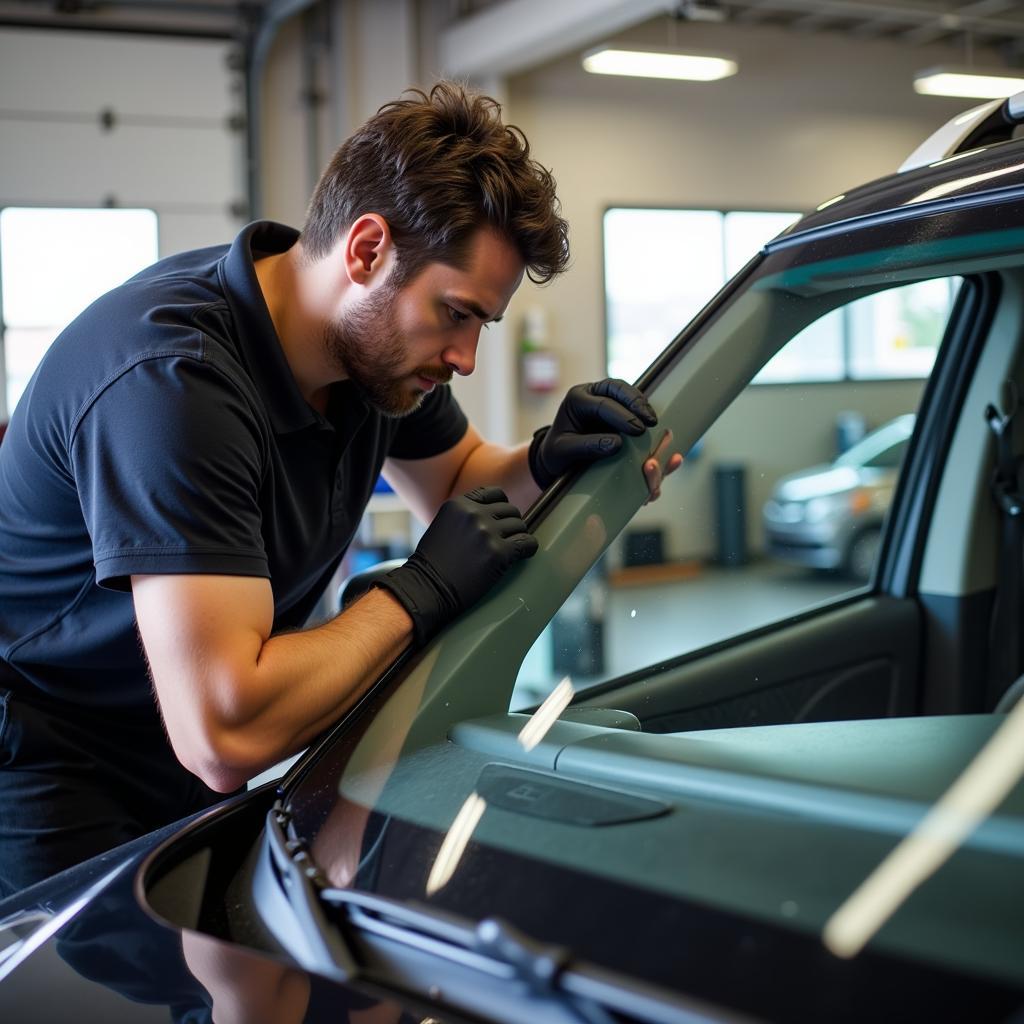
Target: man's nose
460 356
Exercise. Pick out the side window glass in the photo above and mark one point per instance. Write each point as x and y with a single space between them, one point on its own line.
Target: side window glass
778 509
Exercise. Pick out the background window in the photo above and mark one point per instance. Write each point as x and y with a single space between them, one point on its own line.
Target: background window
663 266
896 334
53 263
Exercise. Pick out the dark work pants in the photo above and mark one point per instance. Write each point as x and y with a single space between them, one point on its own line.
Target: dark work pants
76 782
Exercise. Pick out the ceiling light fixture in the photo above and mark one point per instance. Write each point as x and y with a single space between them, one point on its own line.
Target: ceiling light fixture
652 63
968 82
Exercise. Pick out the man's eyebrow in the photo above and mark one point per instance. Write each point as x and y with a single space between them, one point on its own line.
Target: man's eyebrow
477 311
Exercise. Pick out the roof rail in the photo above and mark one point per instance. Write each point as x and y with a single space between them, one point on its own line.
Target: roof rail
980 126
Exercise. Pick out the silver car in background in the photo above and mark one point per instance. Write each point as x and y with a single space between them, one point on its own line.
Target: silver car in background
830 517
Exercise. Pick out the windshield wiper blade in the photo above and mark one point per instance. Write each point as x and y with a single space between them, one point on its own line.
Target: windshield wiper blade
500 951
493 948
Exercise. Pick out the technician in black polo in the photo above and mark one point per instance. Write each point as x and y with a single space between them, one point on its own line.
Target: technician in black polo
192 458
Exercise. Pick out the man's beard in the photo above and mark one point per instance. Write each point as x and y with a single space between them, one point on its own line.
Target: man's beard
366 347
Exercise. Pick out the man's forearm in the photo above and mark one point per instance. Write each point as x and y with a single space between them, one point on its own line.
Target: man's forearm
234 698
313 676
494 465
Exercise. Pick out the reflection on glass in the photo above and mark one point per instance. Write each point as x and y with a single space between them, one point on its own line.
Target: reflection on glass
455 842
766 777
815 354
897 333
980 789
546 715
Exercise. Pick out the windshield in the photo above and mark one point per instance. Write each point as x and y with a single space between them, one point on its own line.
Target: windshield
559 815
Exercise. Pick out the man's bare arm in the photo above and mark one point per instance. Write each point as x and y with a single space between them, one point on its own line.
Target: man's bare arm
425 484
588 426
236 700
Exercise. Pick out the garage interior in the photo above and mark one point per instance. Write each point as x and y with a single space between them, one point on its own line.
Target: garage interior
210 114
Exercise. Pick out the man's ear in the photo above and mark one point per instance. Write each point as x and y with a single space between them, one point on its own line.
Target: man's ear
368 248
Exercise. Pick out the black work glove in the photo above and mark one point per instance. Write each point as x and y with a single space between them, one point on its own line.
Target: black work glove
588 426
467 548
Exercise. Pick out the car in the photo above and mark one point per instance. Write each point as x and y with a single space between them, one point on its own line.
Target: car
819 818
830 517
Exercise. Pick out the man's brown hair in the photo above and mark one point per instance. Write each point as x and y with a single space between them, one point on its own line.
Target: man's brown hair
438 167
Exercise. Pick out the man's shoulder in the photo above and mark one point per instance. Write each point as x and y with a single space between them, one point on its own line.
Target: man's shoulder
180 333
164 306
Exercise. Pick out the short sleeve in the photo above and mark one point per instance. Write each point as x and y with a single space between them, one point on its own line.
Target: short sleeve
168 464
437 425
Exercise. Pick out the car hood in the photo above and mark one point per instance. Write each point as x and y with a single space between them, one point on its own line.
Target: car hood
816 482
81 947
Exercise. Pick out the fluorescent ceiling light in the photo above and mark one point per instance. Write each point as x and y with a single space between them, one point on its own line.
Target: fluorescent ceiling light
607 60
977 83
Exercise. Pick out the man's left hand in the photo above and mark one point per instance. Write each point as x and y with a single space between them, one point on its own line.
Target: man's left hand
589 426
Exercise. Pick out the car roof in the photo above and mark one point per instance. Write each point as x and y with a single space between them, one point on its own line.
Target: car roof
986 164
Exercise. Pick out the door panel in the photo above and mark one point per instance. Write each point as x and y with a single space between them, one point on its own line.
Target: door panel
859 660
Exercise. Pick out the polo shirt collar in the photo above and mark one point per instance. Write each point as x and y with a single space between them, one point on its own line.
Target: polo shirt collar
259 344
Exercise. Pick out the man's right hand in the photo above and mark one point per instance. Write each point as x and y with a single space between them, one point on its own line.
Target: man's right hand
469 545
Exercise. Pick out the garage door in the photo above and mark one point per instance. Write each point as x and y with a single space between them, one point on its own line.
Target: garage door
94 120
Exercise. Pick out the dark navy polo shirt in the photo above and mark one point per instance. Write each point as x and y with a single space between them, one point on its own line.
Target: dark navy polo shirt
164 433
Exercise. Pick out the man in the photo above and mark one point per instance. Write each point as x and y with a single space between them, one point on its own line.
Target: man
193 457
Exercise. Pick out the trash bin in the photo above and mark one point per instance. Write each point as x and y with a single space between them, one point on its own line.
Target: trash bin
851 427
731 513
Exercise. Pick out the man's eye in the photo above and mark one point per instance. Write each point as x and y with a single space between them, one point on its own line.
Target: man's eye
457 316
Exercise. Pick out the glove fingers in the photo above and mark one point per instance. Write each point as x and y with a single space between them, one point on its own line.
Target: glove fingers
487 495
627 395
572 448
511 526
525 545
517 547
613 414
593 411
504 510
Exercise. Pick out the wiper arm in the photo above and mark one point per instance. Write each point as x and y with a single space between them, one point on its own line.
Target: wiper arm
494 948
299 879
500 951
545 969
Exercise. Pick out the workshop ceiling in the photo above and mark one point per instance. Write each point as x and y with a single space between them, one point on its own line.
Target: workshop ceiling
492 33
992 24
